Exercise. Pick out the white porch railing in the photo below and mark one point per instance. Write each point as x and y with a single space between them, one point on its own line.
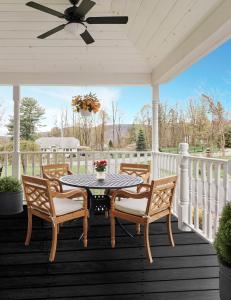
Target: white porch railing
207 182
203 188
80 162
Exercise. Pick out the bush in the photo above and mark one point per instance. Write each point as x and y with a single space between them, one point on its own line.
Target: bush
10 184
222 241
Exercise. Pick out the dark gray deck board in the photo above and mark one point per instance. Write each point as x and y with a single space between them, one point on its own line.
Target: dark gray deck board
188 271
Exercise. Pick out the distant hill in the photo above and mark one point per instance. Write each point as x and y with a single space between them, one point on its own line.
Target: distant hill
124 130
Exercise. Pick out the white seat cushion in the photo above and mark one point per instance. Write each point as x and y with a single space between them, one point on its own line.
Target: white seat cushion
64 206
132 189
132 206
68 188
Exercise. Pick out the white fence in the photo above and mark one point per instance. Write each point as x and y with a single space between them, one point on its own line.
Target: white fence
80 162
204 187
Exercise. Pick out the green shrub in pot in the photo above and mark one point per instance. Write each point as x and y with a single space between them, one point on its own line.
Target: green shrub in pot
222 244
11 196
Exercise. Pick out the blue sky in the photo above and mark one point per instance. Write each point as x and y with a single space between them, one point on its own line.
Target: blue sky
211 75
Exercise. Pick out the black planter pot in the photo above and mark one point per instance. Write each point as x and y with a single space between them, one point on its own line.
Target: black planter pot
225 282
11 203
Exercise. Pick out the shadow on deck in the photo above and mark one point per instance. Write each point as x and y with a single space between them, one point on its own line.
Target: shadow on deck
188 271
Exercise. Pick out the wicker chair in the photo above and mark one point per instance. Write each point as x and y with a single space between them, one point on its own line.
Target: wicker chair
54 172
144 208
53 207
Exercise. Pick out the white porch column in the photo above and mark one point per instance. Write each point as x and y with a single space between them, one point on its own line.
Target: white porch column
183 207
16 137
155 127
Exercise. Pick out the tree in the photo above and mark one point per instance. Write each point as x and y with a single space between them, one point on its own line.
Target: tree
218 121
110 144
31 114
141 143
228 137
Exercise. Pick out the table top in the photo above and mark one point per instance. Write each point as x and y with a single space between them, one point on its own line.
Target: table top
112 181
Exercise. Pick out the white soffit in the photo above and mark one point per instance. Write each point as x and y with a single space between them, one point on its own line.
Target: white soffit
162 38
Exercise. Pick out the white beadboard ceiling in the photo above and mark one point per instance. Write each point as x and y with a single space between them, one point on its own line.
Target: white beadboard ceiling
162 38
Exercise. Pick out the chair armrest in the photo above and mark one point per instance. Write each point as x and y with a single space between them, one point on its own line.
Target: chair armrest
143 185
70 194
127 194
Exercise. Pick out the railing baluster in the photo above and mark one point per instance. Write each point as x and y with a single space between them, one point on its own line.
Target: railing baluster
196 207
78 157
116 162
217 196
71 161
204 198
190 162
56 157
25 163
33 163
209 200
48 158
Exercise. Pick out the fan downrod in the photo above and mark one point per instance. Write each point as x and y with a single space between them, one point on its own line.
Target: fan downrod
74 2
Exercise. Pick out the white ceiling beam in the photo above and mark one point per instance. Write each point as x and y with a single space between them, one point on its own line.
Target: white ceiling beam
212 32
74 79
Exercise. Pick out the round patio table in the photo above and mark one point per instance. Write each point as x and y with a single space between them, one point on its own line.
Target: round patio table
99 203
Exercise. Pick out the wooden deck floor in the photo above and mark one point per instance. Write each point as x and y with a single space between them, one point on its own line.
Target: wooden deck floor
188 271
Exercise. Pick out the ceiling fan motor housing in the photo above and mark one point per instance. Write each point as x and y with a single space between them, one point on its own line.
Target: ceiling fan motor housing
71 14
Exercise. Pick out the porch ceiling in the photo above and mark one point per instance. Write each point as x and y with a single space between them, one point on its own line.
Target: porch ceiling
162 38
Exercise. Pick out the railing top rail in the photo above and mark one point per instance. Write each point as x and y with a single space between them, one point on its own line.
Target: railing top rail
209 159
167 154
6 152
80 152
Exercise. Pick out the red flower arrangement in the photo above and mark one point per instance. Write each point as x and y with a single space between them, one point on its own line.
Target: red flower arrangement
100 165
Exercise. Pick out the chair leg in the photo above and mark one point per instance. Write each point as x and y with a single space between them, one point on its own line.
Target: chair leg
147 243
169 229
29 228
112 231
54 242
137 228
85 230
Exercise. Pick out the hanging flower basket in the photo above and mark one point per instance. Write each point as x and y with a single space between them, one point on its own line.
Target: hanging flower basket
86 104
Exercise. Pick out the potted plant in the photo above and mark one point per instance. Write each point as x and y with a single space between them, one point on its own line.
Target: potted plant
86 104
11 196
222 244
100 167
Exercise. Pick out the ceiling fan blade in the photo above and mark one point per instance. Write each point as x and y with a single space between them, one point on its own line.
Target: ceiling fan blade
45 9
84 7
52 31
88 39
107 20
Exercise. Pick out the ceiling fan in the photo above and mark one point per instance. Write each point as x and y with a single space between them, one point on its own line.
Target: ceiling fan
75 17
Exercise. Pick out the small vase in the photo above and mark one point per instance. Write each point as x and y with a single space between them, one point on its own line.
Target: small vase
100 175
85 113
